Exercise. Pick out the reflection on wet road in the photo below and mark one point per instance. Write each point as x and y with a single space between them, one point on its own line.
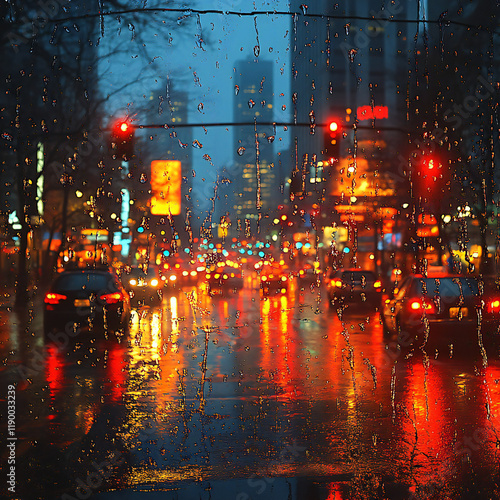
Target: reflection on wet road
250 389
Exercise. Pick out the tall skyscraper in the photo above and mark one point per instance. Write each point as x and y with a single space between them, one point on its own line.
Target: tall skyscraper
254 175
348 67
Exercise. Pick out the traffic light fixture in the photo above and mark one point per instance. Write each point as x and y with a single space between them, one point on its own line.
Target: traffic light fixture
332 134
122 140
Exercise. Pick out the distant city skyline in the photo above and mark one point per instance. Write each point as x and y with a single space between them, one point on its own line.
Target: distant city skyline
206 71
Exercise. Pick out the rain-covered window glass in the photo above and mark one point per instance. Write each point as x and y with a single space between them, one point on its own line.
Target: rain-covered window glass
250 250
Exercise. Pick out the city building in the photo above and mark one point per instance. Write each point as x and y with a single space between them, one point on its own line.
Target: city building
254 189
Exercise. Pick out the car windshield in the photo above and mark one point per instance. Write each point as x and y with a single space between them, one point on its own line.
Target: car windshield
138 272
451 287
80 281
358 276
283 170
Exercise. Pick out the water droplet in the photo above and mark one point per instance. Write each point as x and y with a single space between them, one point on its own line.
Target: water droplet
304 8
270 138
236 89
352 54
173 135
207 157
182 145
144 178
197 144
256 51
200 107
283 108
251 103
241 150
346 27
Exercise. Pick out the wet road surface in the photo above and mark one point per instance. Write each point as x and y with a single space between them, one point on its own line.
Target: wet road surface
243 396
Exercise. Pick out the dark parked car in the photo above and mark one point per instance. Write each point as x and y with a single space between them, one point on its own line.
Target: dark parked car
355 286
86 297
491 306
424 303
143 284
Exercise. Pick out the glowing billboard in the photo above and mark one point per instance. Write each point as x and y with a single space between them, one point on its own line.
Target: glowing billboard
166 178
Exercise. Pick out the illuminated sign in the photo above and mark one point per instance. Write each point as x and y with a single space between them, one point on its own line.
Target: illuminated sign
166 177
370 113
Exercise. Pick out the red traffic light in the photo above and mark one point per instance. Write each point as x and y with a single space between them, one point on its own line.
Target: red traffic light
122 139
333 127
331 145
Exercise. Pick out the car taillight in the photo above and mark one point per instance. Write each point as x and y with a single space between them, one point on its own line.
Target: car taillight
377 285
111 298
493 306
418 305
54 298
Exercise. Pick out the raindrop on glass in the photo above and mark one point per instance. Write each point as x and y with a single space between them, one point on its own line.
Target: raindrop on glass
197 144
352 54
236 89
200 107
304 8
143 178
270 138
241 150
346 27
182 145
251 103
256 51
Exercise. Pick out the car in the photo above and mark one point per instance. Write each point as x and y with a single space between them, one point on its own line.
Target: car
86 297
423 303
222 276
309 272
490 292
354 286
143 284
182 273
274 277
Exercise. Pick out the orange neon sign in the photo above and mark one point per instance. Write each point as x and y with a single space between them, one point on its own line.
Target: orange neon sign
166 177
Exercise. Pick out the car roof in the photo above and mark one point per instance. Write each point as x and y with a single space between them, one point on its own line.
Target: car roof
86 270
442 276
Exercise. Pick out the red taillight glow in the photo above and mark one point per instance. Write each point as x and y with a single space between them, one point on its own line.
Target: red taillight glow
417 305
494 306
54 298
111 298
377 285
338 283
